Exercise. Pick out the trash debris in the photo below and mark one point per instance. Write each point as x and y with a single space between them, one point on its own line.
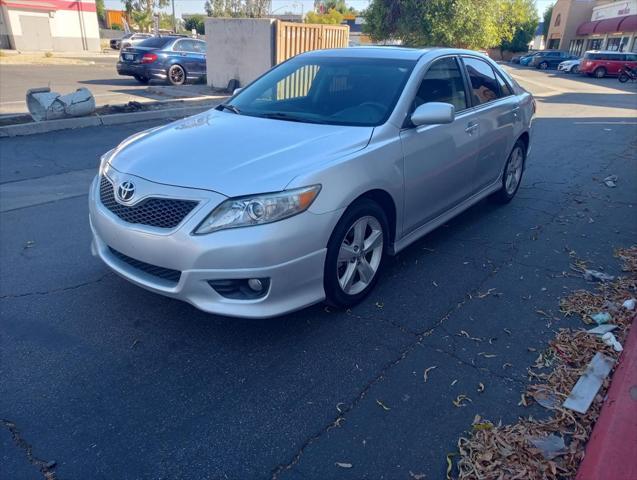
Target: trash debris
601 318
595 276
417 476
589 383
426 373
548 400
461 401
343 465
384 407
611 181
29 244
602 329
610 340
480 387
629 304
550 447
43 104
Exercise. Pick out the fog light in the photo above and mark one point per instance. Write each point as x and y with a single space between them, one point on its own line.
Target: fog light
255 284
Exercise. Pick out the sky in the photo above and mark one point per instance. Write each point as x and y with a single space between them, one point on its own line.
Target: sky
279 6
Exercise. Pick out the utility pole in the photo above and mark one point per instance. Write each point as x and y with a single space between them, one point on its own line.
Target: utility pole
174 19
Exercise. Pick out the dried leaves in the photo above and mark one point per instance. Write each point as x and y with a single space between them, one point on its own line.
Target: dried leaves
552 448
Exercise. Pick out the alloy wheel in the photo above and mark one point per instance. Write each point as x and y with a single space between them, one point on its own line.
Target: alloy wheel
514 170
176 74
360 255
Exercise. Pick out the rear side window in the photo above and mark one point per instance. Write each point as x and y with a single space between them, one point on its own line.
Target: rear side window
484 84
199 47
443 83
183 46
155 42
505 90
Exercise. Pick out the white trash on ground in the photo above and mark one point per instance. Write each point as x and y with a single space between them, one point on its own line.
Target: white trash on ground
44 104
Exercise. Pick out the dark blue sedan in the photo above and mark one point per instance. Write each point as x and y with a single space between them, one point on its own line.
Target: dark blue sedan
172 58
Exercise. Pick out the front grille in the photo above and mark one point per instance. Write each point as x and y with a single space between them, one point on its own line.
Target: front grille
154 212
172 276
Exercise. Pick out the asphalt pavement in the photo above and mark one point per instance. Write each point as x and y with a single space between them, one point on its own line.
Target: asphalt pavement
108 380
100 78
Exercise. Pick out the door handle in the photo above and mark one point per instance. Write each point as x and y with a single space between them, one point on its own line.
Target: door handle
471 127
515 110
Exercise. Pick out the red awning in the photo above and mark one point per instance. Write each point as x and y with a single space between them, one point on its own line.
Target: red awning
587 28
608 25
628 24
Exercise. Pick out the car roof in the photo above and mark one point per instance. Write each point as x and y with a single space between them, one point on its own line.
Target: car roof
386 52
606 51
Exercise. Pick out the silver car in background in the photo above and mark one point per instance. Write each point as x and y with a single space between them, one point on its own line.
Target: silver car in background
295 190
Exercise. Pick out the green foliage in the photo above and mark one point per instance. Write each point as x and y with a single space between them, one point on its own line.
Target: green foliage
116 26
332 17
548 13
141 11
517 24
197 22
475 24
165 21
101 10
237 8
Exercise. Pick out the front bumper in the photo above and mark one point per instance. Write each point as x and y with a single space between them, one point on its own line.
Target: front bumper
291 253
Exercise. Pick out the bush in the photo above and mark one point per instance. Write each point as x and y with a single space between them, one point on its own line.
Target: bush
116 26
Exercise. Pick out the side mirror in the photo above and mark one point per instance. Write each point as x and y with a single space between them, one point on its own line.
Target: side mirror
433 113
236 90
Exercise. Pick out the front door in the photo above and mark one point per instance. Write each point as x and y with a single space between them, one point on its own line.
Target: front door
439 159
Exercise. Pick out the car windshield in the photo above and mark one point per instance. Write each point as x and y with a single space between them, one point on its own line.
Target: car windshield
154 42
335 91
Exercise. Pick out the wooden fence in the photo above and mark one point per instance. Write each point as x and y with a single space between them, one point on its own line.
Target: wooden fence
294 38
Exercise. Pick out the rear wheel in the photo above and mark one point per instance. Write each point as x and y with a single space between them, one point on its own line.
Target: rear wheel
543 66
513 171
600 72
623 78
142 80
355 254
176 75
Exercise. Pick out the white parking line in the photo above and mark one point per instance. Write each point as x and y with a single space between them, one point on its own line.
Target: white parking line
604 123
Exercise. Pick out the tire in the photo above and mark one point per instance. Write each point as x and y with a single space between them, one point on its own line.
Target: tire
508 191
623 78
575 70
176 75
600 72
343 274
142 80
543 66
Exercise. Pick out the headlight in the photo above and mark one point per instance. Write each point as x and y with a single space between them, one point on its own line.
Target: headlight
258 209
104 159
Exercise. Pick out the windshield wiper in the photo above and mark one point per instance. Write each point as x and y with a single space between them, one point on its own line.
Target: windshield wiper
228 106
288 117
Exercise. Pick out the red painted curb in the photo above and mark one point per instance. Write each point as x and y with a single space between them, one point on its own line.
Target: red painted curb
611 452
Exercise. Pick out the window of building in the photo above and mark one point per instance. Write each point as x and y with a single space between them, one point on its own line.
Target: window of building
484 84
554 43
613 44
558 19
594 44
443 83
576 47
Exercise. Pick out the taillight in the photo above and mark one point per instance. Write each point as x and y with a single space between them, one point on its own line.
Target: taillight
149 58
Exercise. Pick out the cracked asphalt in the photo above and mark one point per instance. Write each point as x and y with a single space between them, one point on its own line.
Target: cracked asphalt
101 379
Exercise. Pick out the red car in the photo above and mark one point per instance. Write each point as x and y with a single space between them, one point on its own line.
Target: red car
600 63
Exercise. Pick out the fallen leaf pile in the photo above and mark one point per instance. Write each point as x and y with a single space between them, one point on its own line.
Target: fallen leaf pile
513 452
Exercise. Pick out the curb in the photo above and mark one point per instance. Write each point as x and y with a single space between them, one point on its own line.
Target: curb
97 121
611 450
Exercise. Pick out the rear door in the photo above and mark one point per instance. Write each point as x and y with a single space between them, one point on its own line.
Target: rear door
498 115
190 56
439 160
615 62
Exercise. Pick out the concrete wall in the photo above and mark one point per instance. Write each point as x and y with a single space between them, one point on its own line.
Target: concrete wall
238 48
5 38
69 30
572 14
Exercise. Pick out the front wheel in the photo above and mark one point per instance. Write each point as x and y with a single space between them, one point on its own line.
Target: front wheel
513 171
623 78
575 70
176 75
355 254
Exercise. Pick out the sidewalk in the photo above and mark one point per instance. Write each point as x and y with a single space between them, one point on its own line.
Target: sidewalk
611 452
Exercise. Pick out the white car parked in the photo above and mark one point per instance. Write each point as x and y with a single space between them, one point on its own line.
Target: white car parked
569 66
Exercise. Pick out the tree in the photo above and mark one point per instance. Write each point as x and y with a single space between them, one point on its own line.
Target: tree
517 22
101 10
332 17
197 22
141 11
548 14
237 8
460 23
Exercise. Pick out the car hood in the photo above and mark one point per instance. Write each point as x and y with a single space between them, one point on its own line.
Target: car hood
234 154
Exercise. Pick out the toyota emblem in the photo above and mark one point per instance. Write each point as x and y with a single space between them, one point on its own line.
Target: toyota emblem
125 191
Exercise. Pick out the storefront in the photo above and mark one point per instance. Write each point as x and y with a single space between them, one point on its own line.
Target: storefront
612 27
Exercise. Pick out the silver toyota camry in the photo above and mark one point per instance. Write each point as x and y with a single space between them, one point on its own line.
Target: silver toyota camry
296 189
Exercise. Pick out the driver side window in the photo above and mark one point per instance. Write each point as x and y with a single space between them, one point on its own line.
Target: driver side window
443 82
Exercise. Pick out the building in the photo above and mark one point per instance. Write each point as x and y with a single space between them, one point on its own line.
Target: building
537 43
581 25
50 25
